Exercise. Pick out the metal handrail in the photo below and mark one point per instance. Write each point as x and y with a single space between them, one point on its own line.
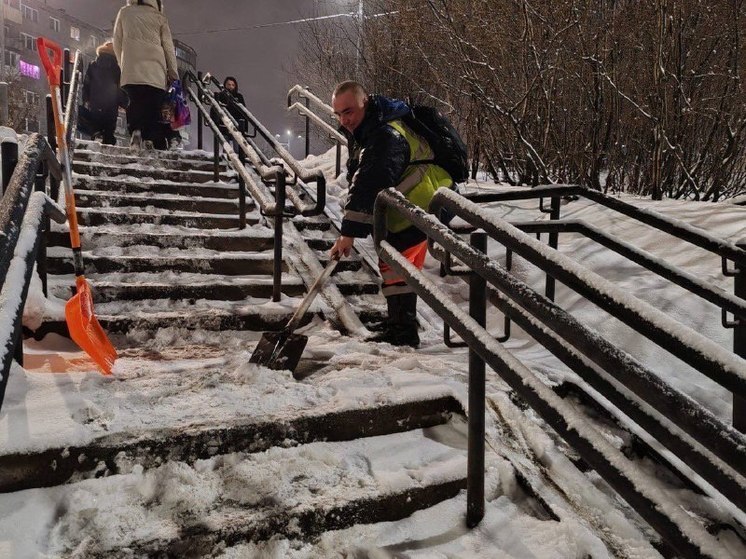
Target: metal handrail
257 159
22 218
685 536
306 111
700 352
672 226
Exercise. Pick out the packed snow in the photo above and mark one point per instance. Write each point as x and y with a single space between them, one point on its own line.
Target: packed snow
179 378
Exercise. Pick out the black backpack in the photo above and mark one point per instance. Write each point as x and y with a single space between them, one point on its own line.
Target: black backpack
445 141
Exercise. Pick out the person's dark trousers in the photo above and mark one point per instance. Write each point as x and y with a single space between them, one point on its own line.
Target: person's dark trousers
103 122
144 113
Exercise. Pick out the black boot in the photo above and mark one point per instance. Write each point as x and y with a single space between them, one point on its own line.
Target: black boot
401 327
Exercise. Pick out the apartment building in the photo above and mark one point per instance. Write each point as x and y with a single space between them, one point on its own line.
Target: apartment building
25 20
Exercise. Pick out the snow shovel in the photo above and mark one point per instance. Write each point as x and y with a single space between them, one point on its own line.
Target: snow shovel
282 350
83 325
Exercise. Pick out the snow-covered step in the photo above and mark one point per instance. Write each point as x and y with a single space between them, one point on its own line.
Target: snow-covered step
225 500
94 217
315 223
193 286
256 239
103 199
145 318
141 170
182 163
59 261
111 454
130 185
82 146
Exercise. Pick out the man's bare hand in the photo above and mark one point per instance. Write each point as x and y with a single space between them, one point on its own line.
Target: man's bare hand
342 247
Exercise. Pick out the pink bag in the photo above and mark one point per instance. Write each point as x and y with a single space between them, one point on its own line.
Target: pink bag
181 114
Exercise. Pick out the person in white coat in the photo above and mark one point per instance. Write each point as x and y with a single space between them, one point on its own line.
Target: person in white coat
145 51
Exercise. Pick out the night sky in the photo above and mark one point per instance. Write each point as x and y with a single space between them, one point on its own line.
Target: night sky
261 59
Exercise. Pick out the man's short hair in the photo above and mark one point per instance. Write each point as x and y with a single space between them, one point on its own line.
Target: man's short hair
350 85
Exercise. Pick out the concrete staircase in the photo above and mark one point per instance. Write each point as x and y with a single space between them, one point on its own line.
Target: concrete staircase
162 245
162 248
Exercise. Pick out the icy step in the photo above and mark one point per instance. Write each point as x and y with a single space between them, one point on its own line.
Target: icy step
94 217
131 185
111 454
131 287
103 199
59 261
249 240
145 171
225 500
99 148
182 162
146 318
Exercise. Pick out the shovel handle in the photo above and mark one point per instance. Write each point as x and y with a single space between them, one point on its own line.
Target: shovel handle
311 295
52 66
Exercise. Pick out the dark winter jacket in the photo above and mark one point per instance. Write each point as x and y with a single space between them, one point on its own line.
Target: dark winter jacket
385 152
229 99
379 155
101 89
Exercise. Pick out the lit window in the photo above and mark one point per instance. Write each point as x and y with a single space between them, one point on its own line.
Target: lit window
29 41
75 33
54 24
93 42
30 13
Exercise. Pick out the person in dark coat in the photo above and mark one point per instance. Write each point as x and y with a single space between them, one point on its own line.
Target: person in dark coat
228 97
102 95
385 152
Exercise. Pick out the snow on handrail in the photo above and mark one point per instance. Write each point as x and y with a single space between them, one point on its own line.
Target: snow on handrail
305 93
680 530
670 225
260 194
16 281
690 346
305 111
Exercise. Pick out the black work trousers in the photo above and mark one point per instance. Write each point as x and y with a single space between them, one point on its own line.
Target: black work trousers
144 113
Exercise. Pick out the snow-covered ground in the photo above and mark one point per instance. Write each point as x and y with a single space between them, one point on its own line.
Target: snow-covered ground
179 378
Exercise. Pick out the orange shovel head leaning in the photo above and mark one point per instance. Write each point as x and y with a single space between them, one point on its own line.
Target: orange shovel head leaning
85 329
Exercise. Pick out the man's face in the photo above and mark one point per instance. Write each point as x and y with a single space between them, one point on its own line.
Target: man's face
230 85
349 109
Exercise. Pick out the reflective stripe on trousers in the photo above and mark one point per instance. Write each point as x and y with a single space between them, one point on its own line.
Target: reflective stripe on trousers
393 283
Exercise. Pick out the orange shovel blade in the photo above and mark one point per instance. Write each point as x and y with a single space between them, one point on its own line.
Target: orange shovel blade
85 329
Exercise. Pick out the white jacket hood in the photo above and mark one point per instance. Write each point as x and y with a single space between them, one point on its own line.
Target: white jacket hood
151 3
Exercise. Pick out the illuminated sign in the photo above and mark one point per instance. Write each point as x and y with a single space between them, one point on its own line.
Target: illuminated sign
29 70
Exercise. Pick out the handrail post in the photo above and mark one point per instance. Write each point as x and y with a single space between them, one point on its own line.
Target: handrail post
475 459
200 121
549 289
308 130
9 156
277 261
67 70
216 158
18 352
40 185
338 165
739 344
54 184
241 193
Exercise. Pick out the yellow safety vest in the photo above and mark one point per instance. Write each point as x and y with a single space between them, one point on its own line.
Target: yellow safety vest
420 181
